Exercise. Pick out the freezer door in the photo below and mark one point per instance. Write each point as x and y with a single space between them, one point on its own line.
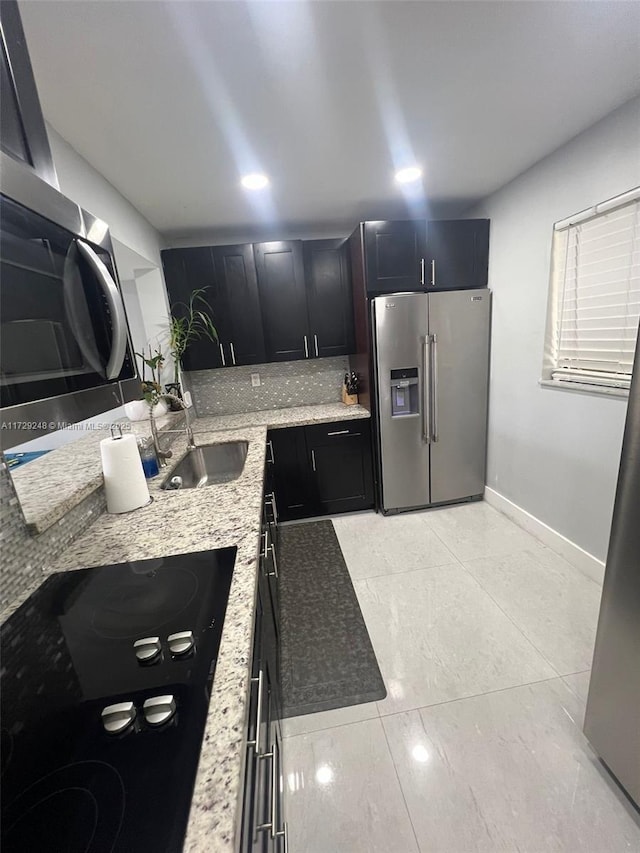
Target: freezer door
459 328
400 323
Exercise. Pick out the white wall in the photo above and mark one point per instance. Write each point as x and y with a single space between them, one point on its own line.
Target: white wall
554 453
88 188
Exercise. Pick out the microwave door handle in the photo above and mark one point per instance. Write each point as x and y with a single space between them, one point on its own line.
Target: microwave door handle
116 307
78 312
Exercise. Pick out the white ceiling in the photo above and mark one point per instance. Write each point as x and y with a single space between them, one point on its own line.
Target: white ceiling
173 101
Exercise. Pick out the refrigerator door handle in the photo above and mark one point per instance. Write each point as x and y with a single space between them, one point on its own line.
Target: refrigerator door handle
426 389
434 387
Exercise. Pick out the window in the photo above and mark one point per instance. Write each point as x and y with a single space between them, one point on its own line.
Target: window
594 297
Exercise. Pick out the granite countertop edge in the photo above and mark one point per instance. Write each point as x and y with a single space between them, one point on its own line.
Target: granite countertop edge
218 516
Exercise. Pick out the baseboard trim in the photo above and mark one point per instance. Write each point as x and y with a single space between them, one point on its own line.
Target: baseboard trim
589 565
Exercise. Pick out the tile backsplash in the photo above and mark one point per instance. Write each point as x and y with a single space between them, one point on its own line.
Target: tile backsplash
228 391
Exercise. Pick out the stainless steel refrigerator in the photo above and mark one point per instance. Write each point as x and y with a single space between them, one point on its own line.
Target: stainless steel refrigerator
612 720
431 357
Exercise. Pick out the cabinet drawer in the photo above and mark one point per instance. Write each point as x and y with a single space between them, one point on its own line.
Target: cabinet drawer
338 429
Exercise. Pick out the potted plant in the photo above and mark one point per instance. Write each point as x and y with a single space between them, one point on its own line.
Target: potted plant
188 322
152 398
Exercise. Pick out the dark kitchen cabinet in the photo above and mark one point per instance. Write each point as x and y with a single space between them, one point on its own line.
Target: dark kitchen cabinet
290 473
329 297
227 273
415 255
342 475
23 133
394 255
242 338
263 829
322 469
283 300
457 254
186 270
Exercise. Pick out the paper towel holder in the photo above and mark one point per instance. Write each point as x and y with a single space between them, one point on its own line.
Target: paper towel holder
115 427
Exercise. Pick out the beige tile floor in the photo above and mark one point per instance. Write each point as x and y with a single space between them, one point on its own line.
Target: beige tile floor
484 638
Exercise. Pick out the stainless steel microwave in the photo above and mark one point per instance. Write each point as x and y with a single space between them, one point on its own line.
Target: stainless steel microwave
65 350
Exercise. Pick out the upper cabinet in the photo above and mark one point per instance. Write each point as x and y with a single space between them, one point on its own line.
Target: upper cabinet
242 339
288 300
283 299
305 295
415 255
395 255
227 275
457 254
23 133
186 270
329 299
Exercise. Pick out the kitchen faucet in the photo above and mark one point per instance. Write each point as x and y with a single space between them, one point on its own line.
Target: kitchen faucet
163 455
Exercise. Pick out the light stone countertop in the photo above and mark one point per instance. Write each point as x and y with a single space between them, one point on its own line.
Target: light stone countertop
280 418
217 516
51 486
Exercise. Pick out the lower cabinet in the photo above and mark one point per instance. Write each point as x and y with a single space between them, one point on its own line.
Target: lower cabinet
321 469
263 826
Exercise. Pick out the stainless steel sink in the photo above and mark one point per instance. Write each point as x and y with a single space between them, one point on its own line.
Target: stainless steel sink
209 464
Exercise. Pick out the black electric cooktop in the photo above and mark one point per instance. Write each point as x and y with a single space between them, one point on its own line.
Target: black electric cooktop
106 678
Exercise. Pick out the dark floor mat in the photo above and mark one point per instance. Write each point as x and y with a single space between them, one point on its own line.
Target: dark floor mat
327 660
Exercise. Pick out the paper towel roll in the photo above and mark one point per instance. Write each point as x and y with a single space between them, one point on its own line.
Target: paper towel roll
124 481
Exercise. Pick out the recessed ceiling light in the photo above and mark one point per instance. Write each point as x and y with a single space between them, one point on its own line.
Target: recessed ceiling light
255 181
408 175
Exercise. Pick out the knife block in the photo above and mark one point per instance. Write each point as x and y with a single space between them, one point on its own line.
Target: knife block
349 399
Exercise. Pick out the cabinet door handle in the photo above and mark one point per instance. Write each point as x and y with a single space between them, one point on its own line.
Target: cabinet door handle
306 347
256 741
224 362
272 498
265 547
340 432
271 458
422 271
274 573
315 342
313 460
233 354
433 272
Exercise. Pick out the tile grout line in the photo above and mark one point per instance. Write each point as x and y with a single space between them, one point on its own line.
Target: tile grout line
381 716
405 572
477 695
510 618
404 799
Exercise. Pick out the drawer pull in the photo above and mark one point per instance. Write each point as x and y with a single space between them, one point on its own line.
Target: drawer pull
271 826
256 742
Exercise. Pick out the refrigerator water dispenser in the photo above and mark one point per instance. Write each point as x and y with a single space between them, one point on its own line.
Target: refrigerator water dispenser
404 392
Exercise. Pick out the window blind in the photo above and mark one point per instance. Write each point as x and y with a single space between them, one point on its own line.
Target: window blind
596 288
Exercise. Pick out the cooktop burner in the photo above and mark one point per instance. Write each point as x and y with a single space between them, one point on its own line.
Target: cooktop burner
92 791
105 691
140 603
